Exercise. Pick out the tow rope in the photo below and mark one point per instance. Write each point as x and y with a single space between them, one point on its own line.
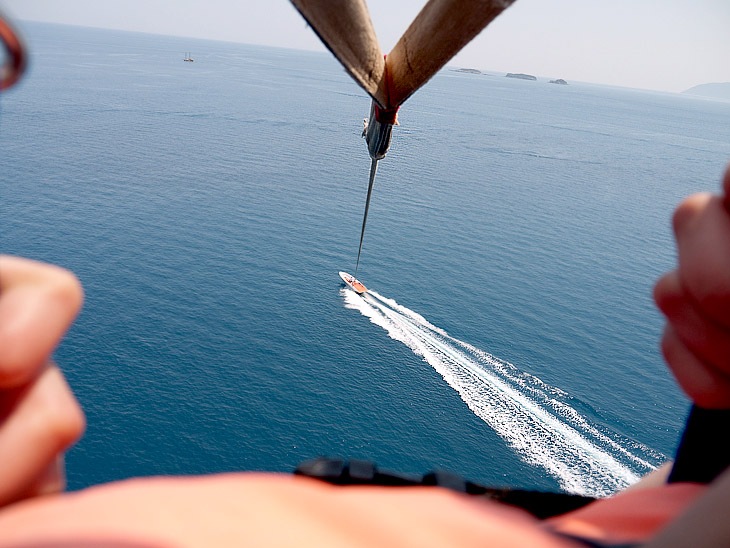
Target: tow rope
377 135
373 170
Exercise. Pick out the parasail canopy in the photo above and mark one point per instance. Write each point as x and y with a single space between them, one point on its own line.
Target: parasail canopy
439 31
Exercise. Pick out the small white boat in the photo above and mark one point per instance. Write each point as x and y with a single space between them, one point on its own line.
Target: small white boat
353 283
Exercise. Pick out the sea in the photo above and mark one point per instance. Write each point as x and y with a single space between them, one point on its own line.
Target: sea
515 232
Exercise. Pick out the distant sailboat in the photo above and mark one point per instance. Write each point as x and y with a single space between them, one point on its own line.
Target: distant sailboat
188 57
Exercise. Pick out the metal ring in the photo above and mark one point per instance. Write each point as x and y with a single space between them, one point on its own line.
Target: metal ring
16 61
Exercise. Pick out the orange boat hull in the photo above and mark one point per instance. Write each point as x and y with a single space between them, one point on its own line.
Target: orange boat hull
353 283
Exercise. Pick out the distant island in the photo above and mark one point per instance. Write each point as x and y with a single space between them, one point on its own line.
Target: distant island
559 81
521 76
468 70
719 90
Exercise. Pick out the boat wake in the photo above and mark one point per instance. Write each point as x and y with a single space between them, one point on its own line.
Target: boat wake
533 418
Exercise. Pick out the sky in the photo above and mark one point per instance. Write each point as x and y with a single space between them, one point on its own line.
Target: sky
664 45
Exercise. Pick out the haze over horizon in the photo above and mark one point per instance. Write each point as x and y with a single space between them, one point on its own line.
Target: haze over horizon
664 46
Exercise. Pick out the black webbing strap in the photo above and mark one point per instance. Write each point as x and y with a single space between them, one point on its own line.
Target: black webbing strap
541 504
703 451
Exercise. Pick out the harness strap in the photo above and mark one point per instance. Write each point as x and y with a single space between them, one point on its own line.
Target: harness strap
588 543
541 504
703 452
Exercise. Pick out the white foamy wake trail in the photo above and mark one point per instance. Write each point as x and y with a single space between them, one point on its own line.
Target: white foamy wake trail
532 417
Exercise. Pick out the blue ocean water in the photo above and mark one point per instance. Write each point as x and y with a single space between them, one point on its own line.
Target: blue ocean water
514 236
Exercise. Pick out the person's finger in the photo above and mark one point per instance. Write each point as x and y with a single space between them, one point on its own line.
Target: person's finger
38 302
726 188
51 481
702 229
705 385
709 341
42 423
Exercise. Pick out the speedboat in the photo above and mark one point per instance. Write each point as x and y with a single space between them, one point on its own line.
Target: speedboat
353 283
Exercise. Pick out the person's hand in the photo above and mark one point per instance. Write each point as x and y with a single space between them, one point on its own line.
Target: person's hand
695 298
39 416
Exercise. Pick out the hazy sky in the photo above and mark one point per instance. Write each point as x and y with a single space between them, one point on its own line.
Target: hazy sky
667 45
